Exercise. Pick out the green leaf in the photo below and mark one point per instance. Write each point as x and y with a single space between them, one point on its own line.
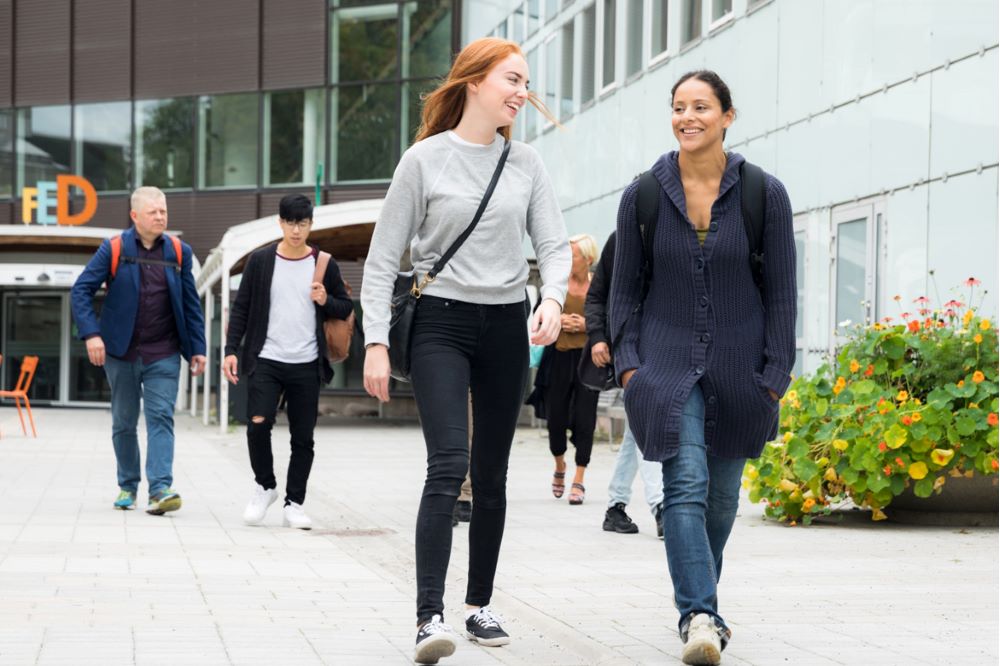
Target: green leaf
805 469
797 448
894 347
850 475
820 407
924 487
878 482
898 484
895 436
939 398
863 387
881 366
965 426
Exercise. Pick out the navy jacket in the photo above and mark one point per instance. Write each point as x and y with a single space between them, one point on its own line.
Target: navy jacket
704 320
118 314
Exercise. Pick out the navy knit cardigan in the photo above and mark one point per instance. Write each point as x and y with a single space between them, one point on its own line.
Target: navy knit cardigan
704 320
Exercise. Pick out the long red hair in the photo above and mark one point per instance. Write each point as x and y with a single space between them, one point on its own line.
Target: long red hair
444 106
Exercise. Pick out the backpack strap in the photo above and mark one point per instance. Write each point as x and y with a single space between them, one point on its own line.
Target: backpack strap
647 208
116 254
752 200
322 261
178 252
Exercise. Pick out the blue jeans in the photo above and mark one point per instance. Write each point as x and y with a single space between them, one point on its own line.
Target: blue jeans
156 384
628 461
701 493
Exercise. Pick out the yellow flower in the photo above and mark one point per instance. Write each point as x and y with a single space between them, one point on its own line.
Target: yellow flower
787 486
916 417
808 505
830 474
792 395
942 457
752 472
855 366
966 318
938 482
840 444
978 377
902 396
918 470
985 325
877 326
878 514
787 437
823 462
978 338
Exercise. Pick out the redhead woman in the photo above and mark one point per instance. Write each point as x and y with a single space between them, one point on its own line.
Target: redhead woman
706 355
470 330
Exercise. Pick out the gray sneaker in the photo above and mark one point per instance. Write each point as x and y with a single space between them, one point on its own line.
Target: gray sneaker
435 640
703 641
163 501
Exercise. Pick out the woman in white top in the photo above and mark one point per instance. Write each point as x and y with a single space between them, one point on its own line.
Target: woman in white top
469 331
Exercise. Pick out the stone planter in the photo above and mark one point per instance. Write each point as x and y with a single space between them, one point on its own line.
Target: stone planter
962 502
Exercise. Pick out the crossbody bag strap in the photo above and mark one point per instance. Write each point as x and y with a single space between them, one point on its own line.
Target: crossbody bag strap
446 257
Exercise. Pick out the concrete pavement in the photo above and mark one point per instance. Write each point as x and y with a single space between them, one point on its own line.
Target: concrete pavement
81 583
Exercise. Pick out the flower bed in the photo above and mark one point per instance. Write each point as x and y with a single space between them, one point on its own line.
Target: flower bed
907 404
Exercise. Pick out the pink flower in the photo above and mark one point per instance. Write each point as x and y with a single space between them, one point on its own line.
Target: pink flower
950 313
906 315
922 299
924 312
954 304
972 282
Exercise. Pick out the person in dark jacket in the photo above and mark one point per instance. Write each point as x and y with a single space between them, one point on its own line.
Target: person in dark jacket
706 356
278 316
629 460
151 317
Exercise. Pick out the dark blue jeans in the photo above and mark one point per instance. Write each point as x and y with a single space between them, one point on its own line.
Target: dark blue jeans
701 493
156 385
457 347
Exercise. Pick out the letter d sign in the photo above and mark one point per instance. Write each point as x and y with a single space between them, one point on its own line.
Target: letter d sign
63 216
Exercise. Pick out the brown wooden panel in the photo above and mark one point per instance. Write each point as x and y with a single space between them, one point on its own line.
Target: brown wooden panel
6 212
112 212
269 200
205 217
356 192
293 43
188 47
102 57
6 52
42 65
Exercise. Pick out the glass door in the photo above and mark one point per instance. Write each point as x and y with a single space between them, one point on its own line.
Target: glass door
87 382
34 327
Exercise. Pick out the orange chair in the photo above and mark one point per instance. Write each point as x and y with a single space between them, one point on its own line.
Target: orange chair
28 366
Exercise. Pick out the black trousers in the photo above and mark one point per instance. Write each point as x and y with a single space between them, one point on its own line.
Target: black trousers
300 384
570 404
457 347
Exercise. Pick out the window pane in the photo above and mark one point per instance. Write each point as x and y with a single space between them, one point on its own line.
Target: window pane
501 30
797 368
551 9
587 74
294 136
364 43
851 253
6 153
104 144
800 279
608 70
692 20
659 27
228 155
43 145
551 75
518 31
531 115
367 134
533 19
164 130
412 108
720 8
633 60
566 85
427 31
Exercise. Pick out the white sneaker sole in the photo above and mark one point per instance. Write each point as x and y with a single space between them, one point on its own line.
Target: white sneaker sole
287 523
702 653
488 642
434 648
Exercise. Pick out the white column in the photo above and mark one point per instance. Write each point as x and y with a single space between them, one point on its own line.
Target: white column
209 314
223 327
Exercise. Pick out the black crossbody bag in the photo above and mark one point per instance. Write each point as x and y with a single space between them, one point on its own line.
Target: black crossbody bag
407 290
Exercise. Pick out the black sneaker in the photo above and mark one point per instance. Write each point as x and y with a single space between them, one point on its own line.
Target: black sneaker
435 639
658 514
483 627
616 520
463 511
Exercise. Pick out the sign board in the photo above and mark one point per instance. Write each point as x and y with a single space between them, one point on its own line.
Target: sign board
46 193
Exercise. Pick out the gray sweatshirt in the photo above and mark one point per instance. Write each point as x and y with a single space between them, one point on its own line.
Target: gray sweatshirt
433 197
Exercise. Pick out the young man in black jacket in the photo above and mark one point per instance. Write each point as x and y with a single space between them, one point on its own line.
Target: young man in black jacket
629 458
278 316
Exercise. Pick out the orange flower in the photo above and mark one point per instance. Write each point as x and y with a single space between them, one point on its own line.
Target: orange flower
906 420
992 419
869 370
977 338
914 326
902 396
916 416
961 383
887 470
855 366
978 377
984 325
899 461
808 505
882 446
994 465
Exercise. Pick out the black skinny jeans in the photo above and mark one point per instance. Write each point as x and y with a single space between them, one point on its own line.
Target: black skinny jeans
570 404
300 384
457 347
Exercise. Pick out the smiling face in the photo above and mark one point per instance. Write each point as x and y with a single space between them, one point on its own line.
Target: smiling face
698 119
503 93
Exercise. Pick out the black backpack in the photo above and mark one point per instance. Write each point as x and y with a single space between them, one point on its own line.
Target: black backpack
647 208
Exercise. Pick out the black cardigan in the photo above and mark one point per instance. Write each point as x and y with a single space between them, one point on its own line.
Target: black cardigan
249 313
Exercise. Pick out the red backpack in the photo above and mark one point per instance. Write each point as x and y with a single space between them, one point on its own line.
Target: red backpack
116 255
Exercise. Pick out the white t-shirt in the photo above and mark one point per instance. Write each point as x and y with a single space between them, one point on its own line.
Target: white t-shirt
291 323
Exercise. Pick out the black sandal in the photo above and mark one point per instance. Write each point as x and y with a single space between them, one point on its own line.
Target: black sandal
578 494
558 484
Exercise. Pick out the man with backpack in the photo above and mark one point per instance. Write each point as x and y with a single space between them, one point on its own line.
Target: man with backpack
150 317
288 291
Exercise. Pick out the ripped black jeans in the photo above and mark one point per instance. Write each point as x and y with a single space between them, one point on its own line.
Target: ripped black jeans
300 384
